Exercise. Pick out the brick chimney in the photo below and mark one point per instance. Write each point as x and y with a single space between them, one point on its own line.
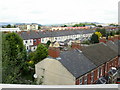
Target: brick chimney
76 45
116 37
54 52
103 39
111 38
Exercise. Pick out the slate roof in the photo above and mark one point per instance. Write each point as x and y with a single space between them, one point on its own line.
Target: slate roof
112 45
76 63
33 34
99 53
118 45
79 63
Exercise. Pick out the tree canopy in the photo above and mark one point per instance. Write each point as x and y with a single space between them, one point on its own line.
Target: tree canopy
102 31
40 53
94 38
99 34
13 58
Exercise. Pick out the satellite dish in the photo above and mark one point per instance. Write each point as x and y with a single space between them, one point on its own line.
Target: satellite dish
35 75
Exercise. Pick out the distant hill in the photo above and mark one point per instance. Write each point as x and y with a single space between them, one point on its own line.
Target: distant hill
11 23
71 23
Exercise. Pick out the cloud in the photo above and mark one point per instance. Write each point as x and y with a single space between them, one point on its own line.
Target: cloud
59 11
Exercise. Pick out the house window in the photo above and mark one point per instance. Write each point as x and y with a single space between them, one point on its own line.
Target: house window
99 72
85 79
106 68
34 40
25 41
80 81
43 40
34 48
27 47
92 77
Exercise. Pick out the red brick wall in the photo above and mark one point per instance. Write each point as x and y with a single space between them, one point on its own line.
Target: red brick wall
76 46
95 74
116 62
105 67
54 52
89 78
111 39
112 63
77 82
38 41
102 40
82 80
103 70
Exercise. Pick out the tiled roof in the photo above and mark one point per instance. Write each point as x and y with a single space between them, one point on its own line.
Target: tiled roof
79 63
39 34
118 45
112 45
76 62
99 53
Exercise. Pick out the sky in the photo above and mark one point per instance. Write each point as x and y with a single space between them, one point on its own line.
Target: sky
58 11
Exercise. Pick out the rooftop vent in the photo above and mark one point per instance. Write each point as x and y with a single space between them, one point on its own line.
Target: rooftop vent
58 58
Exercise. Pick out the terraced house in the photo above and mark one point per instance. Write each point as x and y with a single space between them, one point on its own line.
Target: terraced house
32 38
94 64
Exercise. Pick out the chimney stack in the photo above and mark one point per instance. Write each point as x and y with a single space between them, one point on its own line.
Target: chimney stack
76 45
111 38
103 39
54 52
116 37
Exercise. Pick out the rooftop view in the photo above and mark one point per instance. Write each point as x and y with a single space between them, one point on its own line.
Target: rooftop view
60 42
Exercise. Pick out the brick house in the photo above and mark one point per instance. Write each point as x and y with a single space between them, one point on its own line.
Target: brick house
33 38
84 67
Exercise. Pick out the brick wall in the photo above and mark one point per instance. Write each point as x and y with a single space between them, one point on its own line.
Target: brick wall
36 41
104 70
103 40
95 74
54 52
89 78
76 46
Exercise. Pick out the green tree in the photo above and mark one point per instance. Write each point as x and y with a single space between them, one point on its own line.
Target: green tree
85 42
13 58
99 34
39 27
99 26
40 53
79 25
94 38
48 43
3 26
8 26
118 32
102 31
112 33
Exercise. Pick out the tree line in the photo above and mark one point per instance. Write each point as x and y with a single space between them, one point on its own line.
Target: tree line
18 66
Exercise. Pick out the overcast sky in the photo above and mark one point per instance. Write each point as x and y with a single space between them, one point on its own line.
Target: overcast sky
59 11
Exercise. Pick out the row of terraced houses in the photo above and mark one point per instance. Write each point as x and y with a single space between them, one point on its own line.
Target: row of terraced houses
32 38
94 64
